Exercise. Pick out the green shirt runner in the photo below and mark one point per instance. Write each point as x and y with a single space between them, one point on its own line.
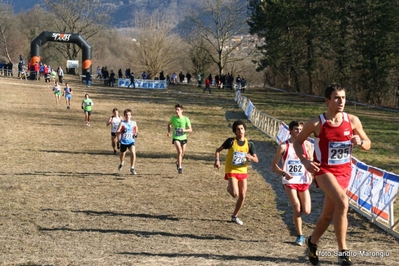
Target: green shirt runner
177 125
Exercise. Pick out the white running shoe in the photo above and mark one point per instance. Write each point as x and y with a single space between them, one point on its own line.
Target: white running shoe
236 220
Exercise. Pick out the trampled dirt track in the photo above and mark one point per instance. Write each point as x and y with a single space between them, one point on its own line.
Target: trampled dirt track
63 201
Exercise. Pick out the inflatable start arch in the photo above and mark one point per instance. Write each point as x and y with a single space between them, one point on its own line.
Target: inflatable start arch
47 36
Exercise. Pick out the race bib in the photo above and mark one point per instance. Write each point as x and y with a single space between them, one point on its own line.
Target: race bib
239 158
115 126
178 131
339 152
128 136
295 168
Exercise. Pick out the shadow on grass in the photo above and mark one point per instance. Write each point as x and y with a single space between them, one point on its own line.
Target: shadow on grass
232 116
141 154
140 215
135 232
219 257
73 174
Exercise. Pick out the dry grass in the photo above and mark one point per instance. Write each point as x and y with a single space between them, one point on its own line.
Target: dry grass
65 203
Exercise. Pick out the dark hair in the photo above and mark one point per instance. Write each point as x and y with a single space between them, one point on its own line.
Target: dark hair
295 123
331 88
115 109
179 106
236 124
127 111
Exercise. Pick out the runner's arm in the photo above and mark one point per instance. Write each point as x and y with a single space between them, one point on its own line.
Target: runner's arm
359 137
277 158
311 127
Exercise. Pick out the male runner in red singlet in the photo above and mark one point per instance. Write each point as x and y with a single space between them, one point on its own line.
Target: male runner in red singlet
335 134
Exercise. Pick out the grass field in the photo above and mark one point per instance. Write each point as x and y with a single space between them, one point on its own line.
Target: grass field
63 201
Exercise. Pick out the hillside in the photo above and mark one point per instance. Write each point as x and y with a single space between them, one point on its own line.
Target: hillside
123 10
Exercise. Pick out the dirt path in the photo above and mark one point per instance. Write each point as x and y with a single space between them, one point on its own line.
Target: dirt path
63 201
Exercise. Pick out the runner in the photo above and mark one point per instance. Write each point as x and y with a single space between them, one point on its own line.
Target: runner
180 125
57 92
114 121
127 132
335 132
87 104
68 95
295 178
240 152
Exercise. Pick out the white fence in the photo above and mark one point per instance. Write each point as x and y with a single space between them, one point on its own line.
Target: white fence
371 191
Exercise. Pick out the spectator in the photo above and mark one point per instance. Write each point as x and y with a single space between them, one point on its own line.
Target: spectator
199 78
105 75
99 73
60 73
238 83
243 84
127 73
188 76
132 81
37 71
41 70
181 76
162 75
88 79
111 79
20 68
207 84
174 78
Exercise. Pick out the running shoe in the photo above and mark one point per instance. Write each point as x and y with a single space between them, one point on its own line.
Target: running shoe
133 171
180 170
236 220
344 259
120 166
299 240
312 249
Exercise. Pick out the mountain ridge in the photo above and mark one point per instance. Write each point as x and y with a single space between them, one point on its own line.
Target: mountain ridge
123 10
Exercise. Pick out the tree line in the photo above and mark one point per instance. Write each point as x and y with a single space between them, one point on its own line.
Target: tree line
151 43
310 43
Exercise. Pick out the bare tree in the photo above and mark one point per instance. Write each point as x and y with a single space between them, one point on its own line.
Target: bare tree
6 12
153 42
218 24
84 17
199 56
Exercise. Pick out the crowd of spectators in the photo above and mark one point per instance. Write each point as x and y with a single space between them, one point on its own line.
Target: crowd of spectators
110 77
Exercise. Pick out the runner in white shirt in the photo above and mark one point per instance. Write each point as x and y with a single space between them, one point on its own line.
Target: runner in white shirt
294 176
114 121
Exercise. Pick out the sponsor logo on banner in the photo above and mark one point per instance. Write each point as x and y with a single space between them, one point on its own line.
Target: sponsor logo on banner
61 37
384 195
358 172
143 84
248 111
283 133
